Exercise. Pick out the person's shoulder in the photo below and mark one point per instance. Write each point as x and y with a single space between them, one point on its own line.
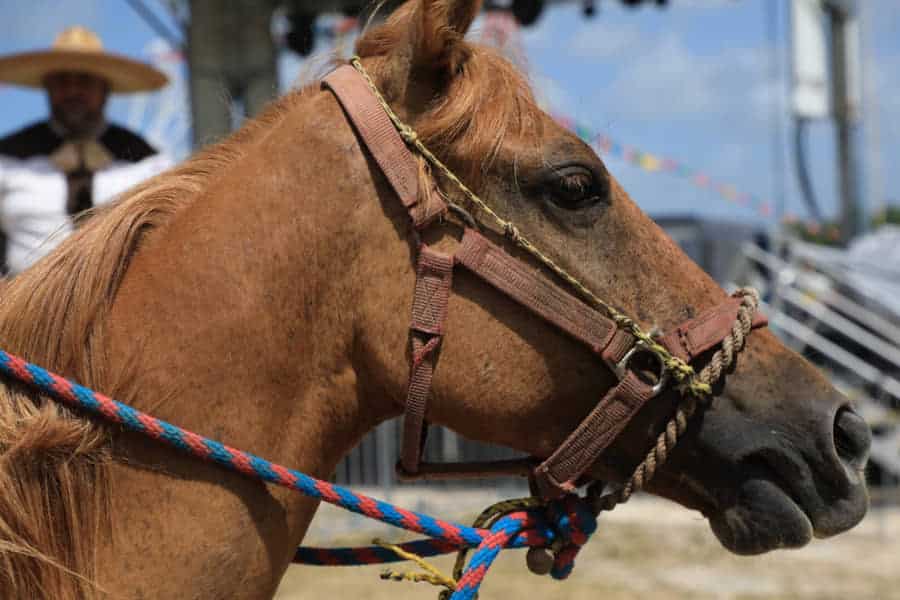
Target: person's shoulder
37 139
125 145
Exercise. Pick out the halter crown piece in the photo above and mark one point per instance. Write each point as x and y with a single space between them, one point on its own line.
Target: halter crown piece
556 520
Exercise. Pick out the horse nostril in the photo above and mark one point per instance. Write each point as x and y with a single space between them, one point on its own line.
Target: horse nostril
852 438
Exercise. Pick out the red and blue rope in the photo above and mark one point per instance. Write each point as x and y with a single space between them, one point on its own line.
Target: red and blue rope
569 518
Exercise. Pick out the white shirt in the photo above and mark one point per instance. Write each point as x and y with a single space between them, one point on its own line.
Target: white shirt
33 195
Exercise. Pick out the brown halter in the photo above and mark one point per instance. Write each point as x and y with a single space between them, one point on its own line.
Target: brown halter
616 346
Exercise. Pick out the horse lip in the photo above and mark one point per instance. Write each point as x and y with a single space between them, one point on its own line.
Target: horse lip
826 505
760 534
793 478
733 507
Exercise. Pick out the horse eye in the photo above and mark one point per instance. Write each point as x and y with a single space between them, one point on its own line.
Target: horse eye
575 187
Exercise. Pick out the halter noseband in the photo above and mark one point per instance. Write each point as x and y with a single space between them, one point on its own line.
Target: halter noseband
615 338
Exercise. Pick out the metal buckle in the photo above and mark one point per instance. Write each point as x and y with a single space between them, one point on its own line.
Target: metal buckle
640 347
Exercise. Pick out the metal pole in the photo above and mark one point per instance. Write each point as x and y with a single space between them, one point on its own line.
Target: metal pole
851 222
386 443
777 109
873 175
231 55
779 239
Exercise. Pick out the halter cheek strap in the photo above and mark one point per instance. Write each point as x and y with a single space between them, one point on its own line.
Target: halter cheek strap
385 145
434 276
528 286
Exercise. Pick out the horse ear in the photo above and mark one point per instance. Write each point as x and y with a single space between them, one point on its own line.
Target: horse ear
423 39
461 14
437 29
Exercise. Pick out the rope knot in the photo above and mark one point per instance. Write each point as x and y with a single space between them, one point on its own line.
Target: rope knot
573 520
409 134
511 232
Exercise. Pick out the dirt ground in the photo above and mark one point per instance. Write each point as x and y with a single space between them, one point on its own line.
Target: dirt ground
648 550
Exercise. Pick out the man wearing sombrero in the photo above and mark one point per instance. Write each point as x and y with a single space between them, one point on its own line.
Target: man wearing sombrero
52 170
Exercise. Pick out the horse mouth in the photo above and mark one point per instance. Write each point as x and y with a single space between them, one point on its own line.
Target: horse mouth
761 518
778 505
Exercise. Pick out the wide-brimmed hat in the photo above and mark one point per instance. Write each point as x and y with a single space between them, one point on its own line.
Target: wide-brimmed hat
80 49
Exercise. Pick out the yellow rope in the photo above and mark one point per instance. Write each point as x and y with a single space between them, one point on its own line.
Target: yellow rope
430 573
682 372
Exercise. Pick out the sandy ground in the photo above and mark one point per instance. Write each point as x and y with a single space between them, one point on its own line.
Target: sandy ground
648 550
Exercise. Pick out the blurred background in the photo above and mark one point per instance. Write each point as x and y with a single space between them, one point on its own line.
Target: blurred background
759 133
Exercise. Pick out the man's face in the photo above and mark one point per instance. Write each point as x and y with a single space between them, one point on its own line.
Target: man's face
76 100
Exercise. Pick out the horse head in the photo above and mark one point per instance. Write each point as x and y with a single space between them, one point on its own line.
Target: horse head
775 459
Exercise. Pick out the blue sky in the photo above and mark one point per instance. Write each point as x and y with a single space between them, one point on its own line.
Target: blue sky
691 82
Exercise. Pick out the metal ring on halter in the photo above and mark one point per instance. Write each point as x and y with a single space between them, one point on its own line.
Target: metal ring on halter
621 368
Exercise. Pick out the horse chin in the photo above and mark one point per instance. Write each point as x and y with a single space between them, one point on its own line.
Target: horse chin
763 517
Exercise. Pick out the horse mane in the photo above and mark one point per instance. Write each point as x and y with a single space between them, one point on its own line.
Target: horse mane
54 488
54 494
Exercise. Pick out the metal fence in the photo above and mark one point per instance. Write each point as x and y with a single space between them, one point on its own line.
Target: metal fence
372 462
817 313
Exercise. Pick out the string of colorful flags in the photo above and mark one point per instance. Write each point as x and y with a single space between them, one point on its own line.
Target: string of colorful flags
500 29
658 164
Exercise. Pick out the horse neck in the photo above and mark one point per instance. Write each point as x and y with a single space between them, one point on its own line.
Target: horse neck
237 321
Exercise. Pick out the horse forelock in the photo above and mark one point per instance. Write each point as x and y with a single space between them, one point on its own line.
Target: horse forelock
486 101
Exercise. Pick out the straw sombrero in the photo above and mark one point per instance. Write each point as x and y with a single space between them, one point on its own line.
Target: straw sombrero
79 49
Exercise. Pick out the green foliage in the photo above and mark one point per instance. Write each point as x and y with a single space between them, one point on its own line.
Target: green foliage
825 234
828 233
888 215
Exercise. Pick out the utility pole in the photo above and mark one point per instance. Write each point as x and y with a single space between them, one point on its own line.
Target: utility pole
827 85
231 56
844 101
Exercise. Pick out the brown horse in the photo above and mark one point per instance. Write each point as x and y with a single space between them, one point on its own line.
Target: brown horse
260 294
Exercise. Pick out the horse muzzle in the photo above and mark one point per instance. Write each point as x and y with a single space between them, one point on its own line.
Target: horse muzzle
782 482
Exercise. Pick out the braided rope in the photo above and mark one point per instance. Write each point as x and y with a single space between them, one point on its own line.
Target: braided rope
666 441
572 518
532 526
492 514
